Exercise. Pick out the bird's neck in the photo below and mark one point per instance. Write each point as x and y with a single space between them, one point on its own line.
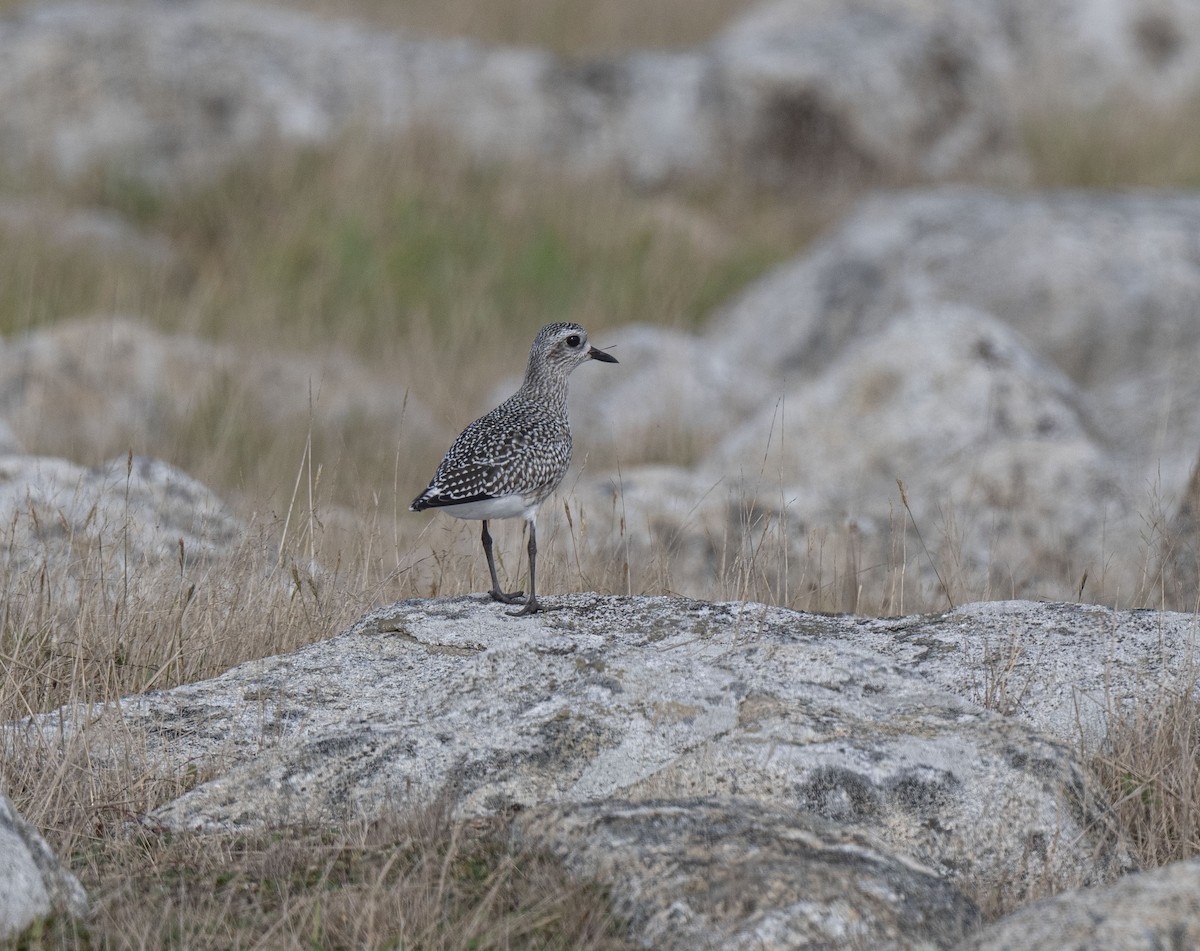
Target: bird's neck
545 386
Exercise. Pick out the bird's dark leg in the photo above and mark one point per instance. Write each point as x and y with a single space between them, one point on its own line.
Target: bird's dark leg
512 597
532 605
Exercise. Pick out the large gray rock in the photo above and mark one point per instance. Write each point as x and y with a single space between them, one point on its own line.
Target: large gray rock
638 699
1105 286
1149 911
1031 58
698 874
169 89
1018 361
793 89
847 90
95 385
1060 56
1069 670
1005 470
32 882
117 521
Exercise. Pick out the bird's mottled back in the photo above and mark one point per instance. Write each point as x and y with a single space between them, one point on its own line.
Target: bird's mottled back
519 448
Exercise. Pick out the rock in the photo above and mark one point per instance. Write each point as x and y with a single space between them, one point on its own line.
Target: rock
173 90
180 89
869 89
1064 669
629 698
1029 458
1028 58
698 874
126 519
1004 469
1105 286
679 394
793 90
98 385
32 882
1143 912
1082 55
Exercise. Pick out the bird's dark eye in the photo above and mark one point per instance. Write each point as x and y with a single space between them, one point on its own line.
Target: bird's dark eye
573 340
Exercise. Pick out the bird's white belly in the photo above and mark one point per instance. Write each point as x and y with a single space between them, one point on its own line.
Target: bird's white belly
507 506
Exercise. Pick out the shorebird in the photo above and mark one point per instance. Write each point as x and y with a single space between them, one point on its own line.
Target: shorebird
509 461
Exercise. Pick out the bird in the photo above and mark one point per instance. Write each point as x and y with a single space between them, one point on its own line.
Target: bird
509 461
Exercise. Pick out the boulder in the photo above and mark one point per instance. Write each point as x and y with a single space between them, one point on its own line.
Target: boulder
32 882
96 385
128 514
1068 670
1104 286
639 699
1005 470
180 89
1018 361
1143 912
848 91
700 874
172 90
792 90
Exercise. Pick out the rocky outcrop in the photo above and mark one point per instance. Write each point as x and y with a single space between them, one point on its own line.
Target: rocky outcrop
32 882
636 722
790 90
98 385
713 875
1144 912
63 525
1017 361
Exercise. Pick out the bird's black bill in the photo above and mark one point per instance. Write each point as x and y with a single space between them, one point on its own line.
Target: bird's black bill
601 356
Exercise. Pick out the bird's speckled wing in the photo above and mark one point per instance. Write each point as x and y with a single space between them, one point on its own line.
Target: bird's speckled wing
516 449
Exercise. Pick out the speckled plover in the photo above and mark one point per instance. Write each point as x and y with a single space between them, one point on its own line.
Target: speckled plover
509 461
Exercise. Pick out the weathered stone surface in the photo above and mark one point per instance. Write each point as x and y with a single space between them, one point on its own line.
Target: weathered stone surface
99 384
170 89
676 392
120 517
1065 669
1149 911
1019 361
1079 55
956 405
844 90
793 89
32 882
701 874
640 699
1103 285
1007 475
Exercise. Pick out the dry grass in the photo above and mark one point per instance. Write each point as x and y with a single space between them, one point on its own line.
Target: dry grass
1150 767
418 881
1119 145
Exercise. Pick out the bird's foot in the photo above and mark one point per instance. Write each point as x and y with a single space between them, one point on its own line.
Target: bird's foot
511 597
532 606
